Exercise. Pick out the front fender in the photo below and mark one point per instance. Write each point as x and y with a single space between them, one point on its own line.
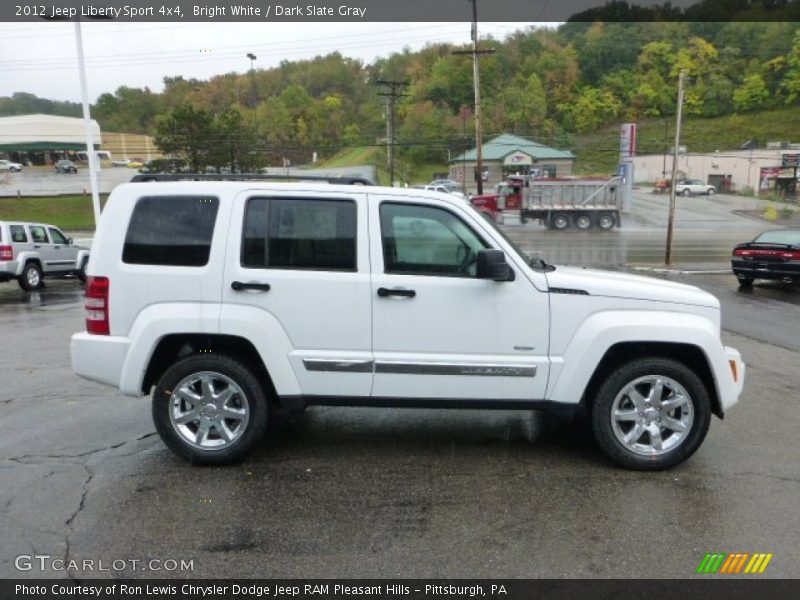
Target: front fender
570 373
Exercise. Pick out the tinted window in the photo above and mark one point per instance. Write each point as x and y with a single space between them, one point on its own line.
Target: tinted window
18 234
38 234
171 230
58 237
424 240
783 236
283 233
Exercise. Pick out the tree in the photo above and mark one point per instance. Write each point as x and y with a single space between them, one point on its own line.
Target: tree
234 141
791 82
753 93
593 107
187 133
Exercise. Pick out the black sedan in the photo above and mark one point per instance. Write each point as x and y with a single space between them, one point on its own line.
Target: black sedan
66 166
772 255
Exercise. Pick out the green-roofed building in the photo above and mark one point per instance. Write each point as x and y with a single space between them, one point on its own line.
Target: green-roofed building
43 139
509 154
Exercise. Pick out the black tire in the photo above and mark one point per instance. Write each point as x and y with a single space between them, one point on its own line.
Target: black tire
606 221
710 192
560 221
745 282
686 192
255 402
31 277
685 444
582 221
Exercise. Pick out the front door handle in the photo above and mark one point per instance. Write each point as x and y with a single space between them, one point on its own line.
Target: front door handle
402 293
239 286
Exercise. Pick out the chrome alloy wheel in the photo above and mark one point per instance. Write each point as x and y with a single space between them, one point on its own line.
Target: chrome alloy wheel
209 410
33 277
652 415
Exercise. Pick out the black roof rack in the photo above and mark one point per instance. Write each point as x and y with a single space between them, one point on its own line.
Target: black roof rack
250 177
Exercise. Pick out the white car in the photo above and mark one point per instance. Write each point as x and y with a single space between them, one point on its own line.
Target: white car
7 165
228 299
687 187
444 189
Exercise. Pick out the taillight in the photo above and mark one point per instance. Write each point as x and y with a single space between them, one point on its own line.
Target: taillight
6 253
740 252
97 305
791 255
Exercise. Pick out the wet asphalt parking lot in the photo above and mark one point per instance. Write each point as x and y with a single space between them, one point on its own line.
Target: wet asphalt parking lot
344 492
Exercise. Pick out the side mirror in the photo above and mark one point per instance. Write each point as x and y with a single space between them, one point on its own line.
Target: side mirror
69 241
492 265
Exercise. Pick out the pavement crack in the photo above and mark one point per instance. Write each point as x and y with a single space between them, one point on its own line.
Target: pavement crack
69 522
30 458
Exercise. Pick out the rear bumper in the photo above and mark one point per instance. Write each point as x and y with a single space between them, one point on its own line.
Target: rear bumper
99 358
766 270
8 269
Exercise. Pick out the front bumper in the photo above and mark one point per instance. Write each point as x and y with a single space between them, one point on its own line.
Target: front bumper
733 381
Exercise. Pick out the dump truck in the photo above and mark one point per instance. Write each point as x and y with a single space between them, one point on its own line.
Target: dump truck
558 203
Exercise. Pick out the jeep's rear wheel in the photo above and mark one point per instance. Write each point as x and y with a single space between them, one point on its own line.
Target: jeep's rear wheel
210 410
31 277
651 414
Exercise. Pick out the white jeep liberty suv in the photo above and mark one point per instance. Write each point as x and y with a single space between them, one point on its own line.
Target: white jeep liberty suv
226 299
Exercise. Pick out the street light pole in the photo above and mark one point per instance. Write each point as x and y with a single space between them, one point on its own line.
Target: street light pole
671 222
87 125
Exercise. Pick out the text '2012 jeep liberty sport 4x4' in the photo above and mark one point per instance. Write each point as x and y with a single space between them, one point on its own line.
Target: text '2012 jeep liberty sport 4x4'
226 299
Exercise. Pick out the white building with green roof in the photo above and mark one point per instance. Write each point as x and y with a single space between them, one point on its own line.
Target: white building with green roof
509 154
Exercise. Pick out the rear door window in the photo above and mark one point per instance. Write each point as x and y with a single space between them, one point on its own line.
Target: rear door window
299 233
38 234
171 231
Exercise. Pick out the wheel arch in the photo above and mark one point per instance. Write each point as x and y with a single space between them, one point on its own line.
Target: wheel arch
173 347
688 354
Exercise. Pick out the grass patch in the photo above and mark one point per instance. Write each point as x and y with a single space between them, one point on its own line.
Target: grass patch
376 156
67 212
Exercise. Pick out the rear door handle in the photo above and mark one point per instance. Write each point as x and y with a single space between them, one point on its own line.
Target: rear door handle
36 246
402 293
239 286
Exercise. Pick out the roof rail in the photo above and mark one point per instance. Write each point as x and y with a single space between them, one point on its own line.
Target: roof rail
248 177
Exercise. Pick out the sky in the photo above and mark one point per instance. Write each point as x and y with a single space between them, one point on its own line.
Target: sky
41 58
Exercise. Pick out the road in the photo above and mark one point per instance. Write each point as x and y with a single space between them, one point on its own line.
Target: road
400 493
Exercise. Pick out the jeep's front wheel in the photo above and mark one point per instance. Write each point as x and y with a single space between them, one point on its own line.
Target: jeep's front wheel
651 414
210 410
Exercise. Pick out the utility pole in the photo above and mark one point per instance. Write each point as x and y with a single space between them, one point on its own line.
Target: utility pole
671 222
393 94
476 79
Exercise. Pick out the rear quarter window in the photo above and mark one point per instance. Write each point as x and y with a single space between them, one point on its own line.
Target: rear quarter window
171 231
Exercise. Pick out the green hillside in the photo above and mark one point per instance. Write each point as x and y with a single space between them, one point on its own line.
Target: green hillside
376 156
598 151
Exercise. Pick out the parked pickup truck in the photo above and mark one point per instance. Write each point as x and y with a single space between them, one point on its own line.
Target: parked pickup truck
225 300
